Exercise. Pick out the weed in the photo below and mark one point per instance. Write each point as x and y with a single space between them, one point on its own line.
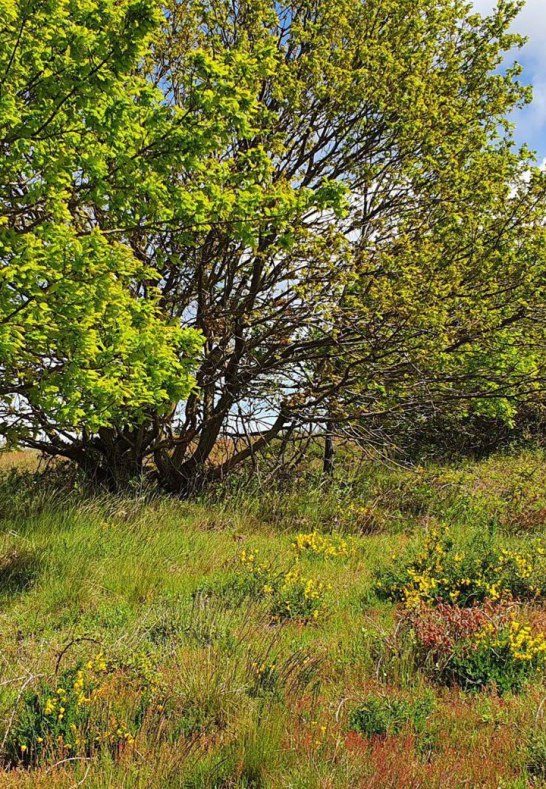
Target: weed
383 715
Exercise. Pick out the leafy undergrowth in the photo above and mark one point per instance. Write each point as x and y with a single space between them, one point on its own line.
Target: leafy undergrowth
388 632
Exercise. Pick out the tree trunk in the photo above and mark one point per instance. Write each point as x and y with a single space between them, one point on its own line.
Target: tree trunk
329 452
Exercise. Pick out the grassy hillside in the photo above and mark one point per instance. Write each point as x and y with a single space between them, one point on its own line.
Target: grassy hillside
372 633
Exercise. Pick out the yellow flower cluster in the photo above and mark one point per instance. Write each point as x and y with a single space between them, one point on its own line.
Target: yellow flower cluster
247 557
301 597
523 568
79 685
322 545
261 573
420 589
263 668
518 639
438 572
292 595
98 665
524 645
83 677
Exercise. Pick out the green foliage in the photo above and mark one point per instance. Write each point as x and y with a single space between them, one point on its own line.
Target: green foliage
474 647
289 593
82 339
384 715
213 691
442 570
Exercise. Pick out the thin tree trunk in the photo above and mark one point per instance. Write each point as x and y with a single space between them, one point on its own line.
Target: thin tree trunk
328 464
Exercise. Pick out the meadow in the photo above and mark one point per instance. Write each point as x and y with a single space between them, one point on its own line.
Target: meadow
386 631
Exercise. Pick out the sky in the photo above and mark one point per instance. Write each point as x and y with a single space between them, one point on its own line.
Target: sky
530 122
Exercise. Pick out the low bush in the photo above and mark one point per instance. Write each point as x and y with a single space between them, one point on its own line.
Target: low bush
382 715
316 544
443 571
77 714
475 647
289 593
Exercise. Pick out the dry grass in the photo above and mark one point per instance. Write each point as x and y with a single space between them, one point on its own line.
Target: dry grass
24 460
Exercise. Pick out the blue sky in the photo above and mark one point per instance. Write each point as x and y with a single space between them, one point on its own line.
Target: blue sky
531 122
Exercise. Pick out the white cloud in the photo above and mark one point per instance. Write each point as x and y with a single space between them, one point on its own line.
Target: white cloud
531 22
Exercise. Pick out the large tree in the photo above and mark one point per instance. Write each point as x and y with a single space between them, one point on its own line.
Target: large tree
83 342
361 236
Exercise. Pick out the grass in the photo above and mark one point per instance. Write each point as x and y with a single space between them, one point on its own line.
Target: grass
195 682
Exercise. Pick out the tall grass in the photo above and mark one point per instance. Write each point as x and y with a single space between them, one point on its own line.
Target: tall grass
213 691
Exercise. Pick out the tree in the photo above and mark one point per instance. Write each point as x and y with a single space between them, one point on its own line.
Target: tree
361 239
451 315
82 343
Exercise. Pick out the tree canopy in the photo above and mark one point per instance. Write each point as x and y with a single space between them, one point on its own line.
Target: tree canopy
82 338
328 194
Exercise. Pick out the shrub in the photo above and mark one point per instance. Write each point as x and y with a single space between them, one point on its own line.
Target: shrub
382 716
77 714
506 656
316 544
290 594
477 646
442 572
